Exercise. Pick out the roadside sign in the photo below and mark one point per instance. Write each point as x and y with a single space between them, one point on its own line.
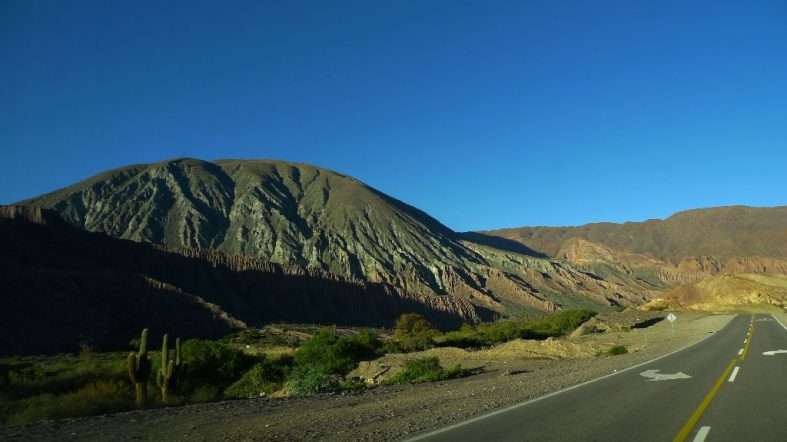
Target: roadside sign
671 318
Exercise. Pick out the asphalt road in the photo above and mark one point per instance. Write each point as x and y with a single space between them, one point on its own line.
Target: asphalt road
691 397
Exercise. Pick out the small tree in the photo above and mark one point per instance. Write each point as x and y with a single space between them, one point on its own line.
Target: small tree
413 332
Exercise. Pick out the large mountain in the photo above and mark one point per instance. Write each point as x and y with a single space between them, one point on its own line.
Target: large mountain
202 248
297 214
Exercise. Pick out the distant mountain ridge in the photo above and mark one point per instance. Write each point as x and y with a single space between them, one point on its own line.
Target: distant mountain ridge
722 233
681 249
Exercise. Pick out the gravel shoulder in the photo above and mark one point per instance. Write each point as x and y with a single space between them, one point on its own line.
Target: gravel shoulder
385 412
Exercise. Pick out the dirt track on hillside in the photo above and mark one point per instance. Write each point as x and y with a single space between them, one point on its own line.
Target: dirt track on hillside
383 413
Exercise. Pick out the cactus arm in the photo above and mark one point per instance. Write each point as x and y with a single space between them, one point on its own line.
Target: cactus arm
178 361
139 370
132 367
143 343
164 351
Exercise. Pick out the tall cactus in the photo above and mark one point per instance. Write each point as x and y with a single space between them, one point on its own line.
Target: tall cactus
139 370
170 372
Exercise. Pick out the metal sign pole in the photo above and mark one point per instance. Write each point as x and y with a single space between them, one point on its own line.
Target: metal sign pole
671 318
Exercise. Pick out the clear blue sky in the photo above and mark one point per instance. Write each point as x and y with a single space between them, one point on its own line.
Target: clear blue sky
483 114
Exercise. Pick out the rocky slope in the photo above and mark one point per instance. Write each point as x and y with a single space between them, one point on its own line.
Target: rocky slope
296 214
62 286
679 250
728 291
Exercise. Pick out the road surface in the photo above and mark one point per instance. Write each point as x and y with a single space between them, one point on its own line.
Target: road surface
731 386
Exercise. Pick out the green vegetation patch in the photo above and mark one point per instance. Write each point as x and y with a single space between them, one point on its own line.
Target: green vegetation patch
263 378
212 363
35 388
616 350
427 370
330 354
311 380
481 335
412 332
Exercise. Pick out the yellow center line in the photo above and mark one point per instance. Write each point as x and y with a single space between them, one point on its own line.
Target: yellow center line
684 432
748 343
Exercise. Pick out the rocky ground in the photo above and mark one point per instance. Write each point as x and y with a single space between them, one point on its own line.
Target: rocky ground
508 376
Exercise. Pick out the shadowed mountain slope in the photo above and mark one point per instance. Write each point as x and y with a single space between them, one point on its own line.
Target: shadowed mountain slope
62 286
296 214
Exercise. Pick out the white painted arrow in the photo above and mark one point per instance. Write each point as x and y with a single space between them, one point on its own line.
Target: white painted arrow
654 375
774 352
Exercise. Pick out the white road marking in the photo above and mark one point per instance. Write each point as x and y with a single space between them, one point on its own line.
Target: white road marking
773 352
654 375
734 373
549 395
702 434
780 322
745 341
740 352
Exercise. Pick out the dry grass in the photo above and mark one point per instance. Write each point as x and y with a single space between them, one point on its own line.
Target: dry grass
521 352
725 293
512 351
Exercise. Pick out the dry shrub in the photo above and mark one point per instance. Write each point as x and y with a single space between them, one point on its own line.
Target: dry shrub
97 397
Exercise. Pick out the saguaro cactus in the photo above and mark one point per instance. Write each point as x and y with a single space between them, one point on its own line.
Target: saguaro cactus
139 370
170 372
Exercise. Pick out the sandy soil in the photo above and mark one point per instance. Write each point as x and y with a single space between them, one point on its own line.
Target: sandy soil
511 373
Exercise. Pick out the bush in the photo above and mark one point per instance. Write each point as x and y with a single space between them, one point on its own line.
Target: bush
616 350
310 380
562 323
212 363
589 329
353 385
31 376
95 398
426 370
464 339
503 331
331 354
205 393
412 332
263 377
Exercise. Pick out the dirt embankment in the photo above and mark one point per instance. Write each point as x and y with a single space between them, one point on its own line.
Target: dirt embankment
511 374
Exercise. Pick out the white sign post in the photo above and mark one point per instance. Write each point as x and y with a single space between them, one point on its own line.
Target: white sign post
671 318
